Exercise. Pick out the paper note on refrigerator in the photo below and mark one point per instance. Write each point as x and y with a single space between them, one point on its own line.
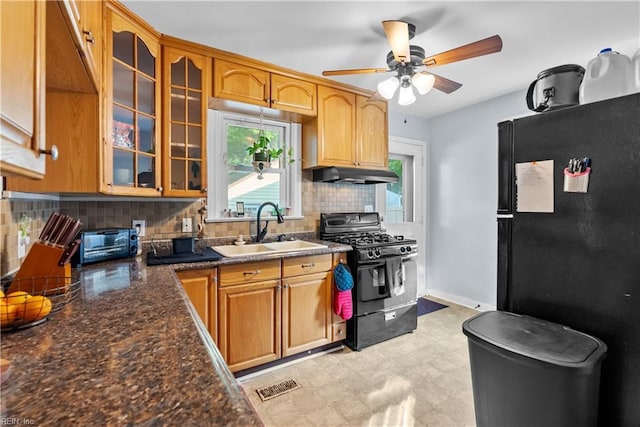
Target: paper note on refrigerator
534 186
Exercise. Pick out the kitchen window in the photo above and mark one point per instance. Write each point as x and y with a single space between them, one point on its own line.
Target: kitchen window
232 177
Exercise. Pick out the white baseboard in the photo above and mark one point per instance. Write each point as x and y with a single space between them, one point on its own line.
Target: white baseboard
465 302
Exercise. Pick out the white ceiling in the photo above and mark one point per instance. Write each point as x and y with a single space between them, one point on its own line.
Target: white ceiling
312 36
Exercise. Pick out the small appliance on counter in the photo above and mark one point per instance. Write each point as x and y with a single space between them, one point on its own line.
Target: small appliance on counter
106 244
183 252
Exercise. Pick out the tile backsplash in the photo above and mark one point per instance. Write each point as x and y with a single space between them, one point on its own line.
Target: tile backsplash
163 218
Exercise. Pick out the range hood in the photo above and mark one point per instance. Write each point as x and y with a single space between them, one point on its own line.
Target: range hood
354 175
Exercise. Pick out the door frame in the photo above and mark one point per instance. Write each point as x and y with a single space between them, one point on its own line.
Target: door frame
417 229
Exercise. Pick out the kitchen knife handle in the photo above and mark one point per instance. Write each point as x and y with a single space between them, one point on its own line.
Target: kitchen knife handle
69 252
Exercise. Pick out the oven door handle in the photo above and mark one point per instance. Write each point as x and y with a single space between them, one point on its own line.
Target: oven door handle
372 264
409 256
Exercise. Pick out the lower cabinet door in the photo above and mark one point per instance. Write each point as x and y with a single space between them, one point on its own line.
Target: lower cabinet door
200 286
249 324
306 312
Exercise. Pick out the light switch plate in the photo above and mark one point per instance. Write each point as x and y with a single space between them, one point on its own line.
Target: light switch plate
187 225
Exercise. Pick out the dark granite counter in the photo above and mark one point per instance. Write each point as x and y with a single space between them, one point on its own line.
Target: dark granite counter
130 350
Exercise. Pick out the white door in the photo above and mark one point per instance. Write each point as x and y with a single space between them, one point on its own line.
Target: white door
403 204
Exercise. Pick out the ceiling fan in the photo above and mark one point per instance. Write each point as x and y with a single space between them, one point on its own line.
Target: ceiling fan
404 59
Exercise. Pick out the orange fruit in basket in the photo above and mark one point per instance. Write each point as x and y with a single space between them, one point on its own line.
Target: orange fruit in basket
1 294
17 297
35 308
7 313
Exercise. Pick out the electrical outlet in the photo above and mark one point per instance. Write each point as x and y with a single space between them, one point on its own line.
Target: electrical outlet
140 226
187 225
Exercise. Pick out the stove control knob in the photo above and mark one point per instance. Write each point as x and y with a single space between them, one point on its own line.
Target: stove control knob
377 252
370 254
408 248
402 249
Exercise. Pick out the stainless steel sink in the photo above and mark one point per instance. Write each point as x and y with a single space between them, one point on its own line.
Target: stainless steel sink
266 248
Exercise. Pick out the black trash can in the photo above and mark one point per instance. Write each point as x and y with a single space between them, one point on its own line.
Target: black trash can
531 372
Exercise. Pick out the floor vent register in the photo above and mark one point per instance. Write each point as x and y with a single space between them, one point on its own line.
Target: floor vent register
276 390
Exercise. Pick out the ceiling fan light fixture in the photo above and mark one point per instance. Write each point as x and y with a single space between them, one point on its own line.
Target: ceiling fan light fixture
387 88
406 96
423 82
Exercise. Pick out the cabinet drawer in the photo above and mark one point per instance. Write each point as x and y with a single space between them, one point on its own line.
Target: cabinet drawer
248 272
339 331
306 265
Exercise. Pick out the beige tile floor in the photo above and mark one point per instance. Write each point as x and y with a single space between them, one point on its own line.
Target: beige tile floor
418 379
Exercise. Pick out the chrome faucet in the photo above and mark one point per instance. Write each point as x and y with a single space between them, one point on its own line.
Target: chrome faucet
261 233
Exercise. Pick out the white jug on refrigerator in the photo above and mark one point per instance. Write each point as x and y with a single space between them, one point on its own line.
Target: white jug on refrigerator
608 75
635 65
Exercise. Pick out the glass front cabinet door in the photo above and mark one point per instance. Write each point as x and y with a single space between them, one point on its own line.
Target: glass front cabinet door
132 160
185 81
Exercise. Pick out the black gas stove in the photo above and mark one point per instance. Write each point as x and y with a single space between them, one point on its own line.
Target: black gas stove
364 232
385 277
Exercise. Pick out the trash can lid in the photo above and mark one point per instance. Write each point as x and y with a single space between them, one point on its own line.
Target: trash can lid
535 338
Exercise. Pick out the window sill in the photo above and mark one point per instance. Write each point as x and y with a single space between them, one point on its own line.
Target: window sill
251 219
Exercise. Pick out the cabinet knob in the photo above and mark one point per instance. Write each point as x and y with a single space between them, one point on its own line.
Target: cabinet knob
53 152
89 36
160 189
274 101
204 190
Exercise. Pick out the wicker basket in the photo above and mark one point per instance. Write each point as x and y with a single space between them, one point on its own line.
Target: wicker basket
60 291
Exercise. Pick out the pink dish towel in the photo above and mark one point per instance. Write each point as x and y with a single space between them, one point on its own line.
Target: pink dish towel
343 306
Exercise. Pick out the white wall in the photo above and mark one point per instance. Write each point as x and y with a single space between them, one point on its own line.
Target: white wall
462 179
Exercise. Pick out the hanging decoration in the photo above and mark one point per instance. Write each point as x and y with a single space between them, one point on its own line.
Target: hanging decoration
260 150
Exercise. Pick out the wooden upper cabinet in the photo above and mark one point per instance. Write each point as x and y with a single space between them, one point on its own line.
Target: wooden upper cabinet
329 138
22 88
74 37
90 25
252 85
349 131
372 140
294 95
240 83
132 152
184 108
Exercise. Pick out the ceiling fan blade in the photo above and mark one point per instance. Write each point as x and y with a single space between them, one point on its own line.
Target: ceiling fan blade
355 71
443 84
481 47
398 36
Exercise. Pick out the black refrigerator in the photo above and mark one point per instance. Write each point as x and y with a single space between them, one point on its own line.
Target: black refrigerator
578 264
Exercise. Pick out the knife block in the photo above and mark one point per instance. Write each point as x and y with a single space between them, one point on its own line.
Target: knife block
39 268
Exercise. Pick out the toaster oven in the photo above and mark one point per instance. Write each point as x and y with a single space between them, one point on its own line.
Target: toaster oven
106 244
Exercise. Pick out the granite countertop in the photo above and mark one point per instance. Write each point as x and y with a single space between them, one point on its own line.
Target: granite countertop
129 350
